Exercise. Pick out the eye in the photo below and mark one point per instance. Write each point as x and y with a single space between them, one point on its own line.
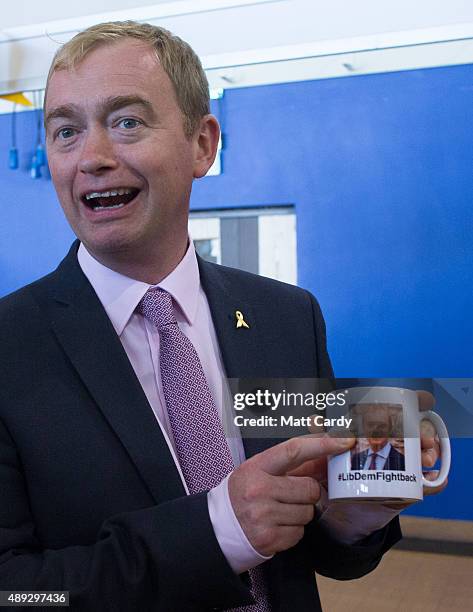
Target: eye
129 123
66 133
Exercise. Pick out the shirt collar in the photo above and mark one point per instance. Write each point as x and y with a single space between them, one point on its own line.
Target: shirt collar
384 452
120 295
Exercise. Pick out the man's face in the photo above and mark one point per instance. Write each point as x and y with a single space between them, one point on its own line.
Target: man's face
376 424
114 127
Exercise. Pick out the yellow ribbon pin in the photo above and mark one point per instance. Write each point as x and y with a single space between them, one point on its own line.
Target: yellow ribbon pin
240 320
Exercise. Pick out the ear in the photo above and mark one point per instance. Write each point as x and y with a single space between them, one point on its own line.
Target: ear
206 142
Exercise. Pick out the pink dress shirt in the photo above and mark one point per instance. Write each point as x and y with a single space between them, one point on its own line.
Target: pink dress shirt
120 296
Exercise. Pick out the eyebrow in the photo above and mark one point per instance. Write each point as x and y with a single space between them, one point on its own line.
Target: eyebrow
107 106
117 102
66 111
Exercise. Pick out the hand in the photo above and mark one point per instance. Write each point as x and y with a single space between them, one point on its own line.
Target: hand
429 443
430 448
272 505
317 468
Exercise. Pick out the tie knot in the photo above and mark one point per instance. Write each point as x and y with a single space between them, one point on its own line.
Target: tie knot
156 305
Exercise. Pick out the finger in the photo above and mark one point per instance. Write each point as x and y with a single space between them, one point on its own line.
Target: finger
289 455
314 428
429 457
427 442
315 468
427 429
426 400
296 490
432 475
430 451
293 514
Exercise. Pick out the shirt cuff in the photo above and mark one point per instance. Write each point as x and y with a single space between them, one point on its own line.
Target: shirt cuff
238 551
350 522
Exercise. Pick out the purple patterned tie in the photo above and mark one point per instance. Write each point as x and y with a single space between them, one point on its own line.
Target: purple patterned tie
372 465
201 447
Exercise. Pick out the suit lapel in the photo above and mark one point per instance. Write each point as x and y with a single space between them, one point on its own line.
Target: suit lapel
90 341
239 346
242 349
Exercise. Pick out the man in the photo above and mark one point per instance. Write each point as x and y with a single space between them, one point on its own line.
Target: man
381 454
118 484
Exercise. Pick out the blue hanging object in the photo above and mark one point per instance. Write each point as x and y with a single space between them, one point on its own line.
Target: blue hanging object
40 155
35 171
13 153
13 158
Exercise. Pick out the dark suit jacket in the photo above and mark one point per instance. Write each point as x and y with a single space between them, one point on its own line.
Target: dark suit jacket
91 499
394 461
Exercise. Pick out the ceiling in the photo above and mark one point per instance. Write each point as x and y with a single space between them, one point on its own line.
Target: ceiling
250 42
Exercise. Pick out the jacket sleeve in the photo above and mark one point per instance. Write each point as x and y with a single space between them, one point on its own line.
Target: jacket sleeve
164 557
333 559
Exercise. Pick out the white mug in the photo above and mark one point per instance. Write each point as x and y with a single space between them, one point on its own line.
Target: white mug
386 461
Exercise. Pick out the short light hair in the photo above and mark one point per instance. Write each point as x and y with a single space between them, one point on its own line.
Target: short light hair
177 58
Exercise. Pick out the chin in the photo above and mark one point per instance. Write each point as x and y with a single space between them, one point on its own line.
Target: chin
109 246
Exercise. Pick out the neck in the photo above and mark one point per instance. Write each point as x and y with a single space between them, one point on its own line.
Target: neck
149 267
376 447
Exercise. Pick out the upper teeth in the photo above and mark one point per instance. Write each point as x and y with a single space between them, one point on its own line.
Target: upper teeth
106 194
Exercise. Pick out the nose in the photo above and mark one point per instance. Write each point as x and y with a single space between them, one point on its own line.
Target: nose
97 154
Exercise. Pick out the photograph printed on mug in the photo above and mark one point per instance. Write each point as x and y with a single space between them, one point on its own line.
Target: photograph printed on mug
380 445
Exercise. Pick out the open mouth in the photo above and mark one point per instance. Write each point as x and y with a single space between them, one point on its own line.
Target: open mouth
109 200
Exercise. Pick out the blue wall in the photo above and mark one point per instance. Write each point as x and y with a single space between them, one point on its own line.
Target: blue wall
34 235
379 169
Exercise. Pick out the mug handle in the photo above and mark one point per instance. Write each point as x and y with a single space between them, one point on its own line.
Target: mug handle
445 451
